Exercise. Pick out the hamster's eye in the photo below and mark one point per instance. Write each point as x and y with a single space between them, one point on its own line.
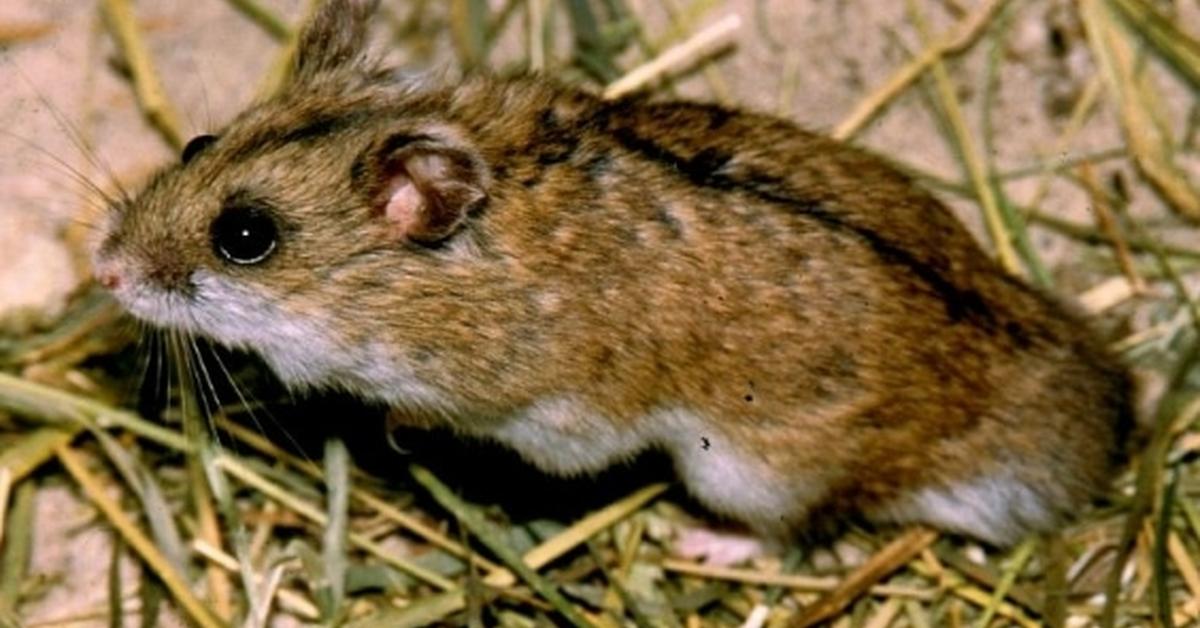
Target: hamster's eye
195 145
244 234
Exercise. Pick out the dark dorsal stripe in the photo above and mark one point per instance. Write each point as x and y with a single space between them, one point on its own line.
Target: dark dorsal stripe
704 169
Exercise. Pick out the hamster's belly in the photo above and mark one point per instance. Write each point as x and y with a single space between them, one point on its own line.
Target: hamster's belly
563 435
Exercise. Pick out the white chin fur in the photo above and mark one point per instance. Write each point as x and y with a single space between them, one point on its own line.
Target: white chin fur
160 308
303 352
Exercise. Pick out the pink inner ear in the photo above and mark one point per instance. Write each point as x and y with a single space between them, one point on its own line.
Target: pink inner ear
404 206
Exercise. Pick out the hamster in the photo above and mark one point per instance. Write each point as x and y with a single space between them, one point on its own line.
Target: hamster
805 332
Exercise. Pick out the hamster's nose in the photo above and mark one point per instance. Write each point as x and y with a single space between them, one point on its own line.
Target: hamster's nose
109 279
106 272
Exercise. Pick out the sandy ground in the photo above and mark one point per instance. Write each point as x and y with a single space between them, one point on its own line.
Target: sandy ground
62 92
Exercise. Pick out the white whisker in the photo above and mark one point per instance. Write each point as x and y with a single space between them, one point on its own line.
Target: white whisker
66 168
75 135
249 408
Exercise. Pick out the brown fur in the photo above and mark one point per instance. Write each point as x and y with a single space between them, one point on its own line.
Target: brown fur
832 320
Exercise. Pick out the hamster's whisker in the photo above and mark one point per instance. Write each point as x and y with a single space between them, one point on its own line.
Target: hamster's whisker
162 365
143 347
209 398
62 166
95 203
92 192
86 221
248 401
90 225
208 117
171 365
245 398
73 133
180 358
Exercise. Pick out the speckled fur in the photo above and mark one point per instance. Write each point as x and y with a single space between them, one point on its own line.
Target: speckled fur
805 331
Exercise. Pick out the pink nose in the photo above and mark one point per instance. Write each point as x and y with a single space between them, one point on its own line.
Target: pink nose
109 279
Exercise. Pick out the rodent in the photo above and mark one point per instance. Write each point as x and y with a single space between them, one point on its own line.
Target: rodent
807 333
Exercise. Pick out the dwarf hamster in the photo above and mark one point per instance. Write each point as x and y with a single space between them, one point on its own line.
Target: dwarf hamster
805 332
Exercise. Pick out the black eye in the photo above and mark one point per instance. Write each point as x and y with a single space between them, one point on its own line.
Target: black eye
244 234
195 145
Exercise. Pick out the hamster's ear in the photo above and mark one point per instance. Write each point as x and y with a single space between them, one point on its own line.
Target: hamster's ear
334 38
424 187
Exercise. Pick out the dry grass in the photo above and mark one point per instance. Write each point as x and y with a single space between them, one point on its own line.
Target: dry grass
235 528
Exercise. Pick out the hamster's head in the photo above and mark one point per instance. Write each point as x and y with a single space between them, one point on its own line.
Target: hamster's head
264 233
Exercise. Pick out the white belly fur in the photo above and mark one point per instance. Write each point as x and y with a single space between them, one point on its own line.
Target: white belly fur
561 435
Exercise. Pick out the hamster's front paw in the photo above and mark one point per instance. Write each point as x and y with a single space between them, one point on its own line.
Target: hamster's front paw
721 548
